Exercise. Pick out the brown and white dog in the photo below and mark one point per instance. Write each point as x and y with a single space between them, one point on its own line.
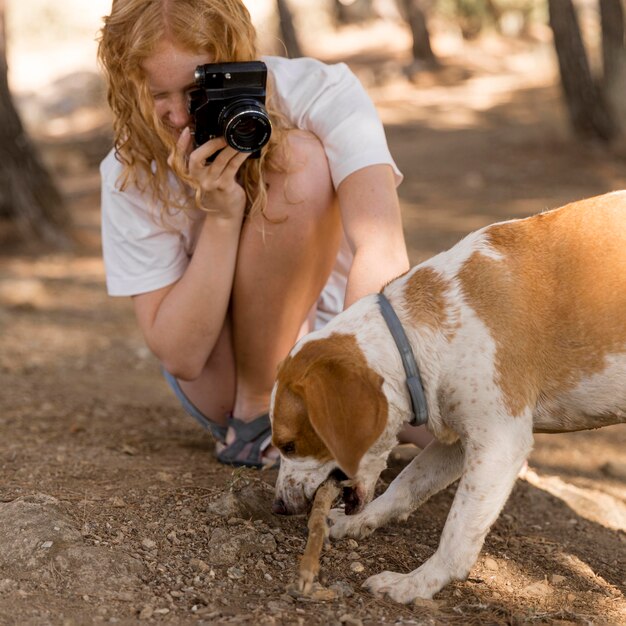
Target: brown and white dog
520 327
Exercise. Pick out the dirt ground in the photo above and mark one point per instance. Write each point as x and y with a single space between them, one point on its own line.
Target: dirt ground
112 506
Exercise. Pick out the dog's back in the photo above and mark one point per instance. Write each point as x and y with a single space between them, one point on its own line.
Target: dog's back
551 289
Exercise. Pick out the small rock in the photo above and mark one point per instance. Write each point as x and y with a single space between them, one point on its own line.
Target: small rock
352 544
235 573
323 595
353 556
540 588
490 564
252 502
343 589
350 620
199 565
7 585
357 567
556 579
46 544
163 611
149 544
227 548
146 612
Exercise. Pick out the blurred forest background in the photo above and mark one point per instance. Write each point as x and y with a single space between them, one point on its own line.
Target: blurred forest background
59 96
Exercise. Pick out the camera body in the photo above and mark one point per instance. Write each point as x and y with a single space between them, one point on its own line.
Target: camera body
229 103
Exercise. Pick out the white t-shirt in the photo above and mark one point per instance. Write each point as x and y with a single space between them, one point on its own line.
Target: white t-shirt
141 255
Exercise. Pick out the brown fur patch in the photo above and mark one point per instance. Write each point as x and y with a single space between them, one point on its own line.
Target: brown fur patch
556 303
329 402
425 297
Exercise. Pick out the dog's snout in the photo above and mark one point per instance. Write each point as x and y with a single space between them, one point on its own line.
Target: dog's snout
279 507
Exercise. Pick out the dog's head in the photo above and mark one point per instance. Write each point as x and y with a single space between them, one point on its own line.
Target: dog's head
328 411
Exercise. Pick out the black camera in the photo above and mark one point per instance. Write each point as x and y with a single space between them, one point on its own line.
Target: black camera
229 103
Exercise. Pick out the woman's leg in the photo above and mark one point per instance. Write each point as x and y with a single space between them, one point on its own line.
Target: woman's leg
281 269
213 392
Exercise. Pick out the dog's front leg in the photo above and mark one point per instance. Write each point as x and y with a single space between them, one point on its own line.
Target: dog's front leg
432 470
491 465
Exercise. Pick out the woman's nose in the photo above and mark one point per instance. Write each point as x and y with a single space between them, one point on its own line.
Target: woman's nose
178 112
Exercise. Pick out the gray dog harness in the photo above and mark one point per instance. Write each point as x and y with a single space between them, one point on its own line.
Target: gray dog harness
413 378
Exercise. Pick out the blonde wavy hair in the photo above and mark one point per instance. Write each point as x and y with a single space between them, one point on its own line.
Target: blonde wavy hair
143 144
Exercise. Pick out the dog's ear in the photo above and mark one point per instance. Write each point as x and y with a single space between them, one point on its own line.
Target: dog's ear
347 408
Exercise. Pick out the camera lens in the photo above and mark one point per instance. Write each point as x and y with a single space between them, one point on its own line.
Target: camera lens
246 125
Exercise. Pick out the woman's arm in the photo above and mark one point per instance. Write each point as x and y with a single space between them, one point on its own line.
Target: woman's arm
183 321
329 101
371 219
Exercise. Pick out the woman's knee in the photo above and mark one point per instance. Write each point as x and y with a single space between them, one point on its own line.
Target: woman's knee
304 186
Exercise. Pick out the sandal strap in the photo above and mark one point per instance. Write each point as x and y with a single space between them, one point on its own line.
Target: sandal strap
250 431
251 439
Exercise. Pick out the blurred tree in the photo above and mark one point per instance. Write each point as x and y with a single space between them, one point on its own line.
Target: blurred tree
288 30
415 13
352 11
28 195
595 106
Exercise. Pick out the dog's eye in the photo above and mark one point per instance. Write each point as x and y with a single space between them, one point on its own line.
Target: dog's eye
288 448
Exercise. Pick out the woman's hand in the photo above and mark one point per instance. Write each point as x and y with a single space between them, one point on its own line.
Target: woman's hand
217 179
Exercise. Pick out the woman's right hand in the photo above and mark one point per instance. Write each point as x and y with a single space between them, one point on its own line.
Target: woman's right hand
221 192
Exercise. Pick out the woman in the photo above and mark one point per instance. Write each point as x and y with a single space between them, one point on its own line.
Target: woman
230 260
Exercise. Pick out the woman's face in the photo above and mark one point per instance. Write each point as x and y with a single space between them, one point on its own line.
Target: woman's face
170 74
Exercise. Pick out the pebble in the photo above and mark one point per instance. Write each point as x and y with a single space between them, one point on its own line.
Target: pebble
491 564
163 611
146 612
235 573
343 588
323 595
350 620
352 544
7 584
357 567
149 544
556 579
199 565
540 588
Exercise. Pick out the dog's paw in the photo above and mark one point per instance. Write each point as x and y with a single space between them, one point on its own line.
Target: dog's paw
404 588
342 525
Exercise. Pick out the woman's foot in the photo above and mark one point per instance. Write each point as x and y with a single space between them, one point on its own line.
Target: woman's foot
248 443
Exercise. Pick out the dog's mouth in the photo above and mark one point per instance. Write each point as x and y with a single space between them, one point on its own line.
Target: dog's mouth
350 492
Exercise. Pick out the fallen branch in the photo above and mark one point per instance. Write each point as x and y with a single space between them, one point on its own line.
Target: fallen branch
318 531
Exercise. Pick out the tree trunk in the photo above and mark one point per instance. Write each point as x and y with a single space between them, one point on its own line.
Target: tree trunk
589 113
357 11
415 14
614 60
288 30
612 22
28 196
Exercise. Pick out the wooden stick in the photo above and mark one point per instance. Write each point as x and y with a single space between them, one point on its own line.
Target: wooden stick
318 531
